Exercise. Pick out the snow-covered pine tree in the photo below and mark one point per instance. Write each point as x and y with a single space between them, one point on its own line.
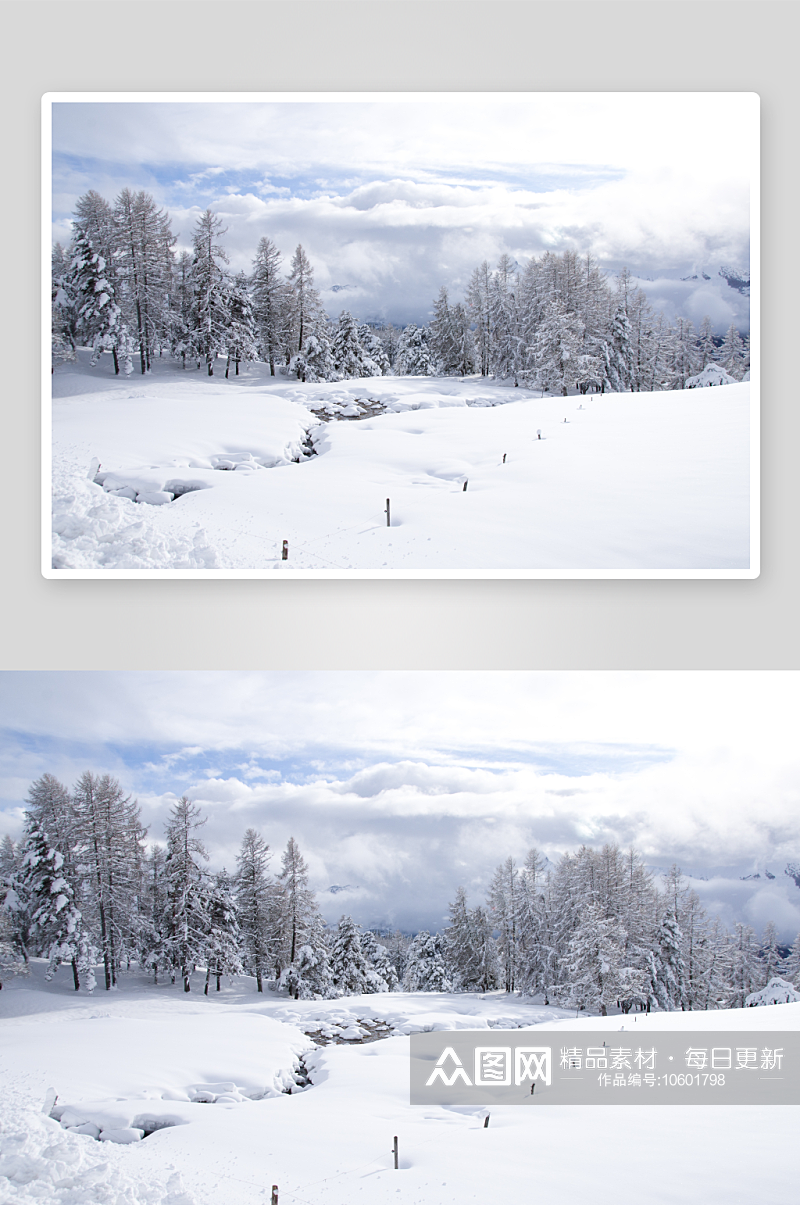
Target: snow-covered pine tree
348 964
258 906
413 353
381 975
188 889
349 358
376 361
223 941
310 977
62 310
14 902
57 929
271 299
426 968
11 960
315 361
210 310
241 332
99 320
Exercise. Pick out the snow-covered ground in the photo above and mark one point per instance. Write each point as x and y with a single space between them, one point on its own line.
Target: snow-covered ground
211 1071
618 484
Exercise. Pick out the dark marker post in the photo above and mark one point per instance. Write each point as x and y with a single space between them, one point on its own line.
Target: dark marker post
285 551
388 514
396 1165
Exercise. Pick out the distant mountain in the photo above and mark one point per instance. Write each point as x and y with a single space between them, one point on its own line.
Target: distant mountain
740 281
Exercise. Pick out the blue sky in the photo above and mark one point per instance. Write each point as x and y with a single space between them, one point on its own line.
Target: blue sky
393 198
404 785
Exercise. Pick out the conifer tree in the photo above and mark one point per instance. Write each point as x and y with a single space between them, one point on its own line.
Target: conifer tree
426 968
315 362
210 310
241 334
258 907
223 941
188 890
142 242
348 964
304 304
298 904
270 302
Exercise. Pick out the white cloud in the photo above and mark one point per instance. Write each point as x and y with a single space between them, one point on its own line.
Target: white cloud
406 784
398 197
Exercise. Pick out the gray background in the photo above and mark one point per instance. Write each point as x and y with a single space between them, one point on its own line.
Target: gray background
377 45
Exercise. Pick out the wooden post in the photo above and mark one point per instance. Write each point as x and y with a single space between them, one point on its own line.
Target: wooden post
486 1121
395 1153
274 1200
504 457
388 514
466 483
538 434
285 551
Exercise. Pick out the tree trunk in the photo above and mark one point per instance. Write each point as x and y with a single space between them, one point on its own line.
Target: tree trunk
75 975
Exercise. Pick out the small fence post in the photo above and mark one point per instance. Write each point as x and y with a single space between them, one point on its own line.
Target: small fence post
504 457
285 551
388 514
466 483
395 1153
274 1199
486 1121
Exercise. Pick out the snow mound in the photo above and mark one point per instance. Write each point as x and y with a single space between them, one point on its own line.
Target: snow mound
40 1161
712 374
93 529
777 991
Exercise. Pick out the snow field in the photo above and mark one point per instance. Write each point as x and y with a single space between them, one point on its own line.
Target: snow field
331 1144
629 483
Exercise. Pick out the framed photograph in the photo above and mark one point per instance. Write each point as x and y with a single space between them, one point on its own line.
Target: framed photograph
239 911
400 335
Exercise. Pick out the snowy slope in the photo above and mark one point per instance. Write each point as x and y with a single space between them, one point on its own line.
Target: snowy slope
650 484
330 1143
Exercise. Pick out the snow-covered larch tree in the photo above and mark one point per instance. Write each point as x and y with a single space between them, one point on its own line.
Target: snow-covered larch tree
258 906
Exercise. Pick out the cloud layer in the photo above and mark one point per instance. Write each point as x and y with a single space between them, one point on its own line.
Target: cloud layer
393 199
401 786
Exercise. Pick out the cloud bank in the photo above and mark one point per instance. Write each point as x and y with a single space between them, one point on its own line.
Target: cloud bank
392 199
